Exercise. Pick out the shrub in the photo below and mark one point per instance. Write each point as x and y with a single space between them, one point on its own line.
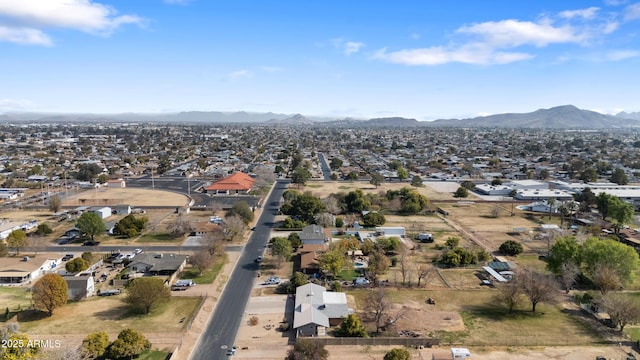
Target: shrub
511 247
253 321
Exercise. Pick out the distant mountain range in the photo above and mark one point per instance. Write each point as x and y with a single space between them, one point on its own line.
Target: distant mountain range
560 117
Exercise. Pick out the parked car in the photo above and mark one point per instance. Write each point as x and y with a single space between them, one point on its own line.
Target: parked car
109 292
137 251
67 257
273 280
91 243
259 259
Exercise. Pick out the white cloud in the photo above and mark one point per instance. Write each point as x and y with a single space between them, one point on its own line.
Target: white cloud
415 36
512 33
239 74
24 36
619 55
351 47
632 12
588 13
470 54
35 16
347 47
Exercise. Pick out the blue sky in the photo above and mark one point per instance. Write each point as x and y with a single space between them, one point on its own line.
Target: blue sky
421 59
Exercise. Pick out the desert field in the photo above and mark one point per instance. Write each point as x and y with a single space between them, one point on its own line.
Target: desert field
439 191
135 197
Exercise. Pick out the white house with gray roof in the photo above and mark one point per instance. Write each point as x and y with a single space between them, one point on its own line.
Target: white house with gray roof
316 309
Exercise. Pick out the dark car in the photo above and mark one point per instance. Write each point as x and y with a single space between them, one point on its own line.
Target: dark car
91 243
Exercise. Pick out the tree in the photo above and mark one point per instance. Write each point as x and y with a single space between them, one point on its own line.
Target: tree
426 272
49 293
621 212
397 354
294 240
91 224
402 173
234 228
565 250
568 274
378 264
351 326
180 226
376 179
144 293
335 163
372 219
17 239
300 176
3 249
603 201
280 248
243 210
95 345
606 279
76 265
86 172
43 229
212 242
417 181
511 248
333 261
461 193
622 309
537 287
378 303
129 344
452 242
353 175
55 203
305 349
469 185
508 294
619 177
130 225
17 346
200 261
622 258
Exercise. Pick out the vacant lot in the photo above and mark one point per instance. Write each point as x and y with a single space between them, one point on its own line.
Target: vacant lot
14 298
133 196
322 189
111 315
485 322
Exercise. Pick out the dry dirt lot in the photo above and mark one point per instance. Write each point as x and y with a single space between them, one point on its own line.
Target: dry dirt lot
439 191
133 196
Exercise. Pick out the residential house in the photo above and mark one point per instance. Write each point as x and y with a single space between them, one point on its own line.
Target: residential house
80 286
201 228
309 257
158 264
313 235
238 183
20 270
316 309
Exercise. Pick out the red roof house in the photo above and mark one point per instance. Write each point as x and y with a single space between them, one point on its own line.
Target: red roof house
238 183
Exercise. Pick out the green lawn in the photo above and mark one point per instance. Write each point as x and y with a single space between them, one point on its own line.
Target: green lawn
348 275
153 355
13 298
157 237
207 277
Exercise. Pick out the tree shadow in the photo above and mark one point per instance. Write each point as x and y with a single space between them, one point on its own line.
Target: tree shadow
31 315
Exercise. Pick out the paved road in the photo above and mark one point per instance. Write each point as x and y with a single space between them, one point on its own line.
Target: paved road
326 170
124 248
223 326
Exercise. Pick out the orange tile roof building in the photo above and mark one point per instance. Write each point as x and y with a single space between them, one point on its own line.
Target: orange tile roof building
238 183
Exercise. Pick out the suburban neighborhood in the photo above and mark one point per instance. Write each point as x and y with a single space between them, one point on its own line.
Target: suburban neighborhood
358 242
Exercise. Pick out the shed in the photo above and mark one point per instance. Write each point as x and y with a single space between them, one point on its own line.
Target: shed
460 353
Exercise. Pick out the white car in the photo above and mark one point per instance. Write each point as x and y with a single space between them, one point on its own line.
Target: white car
274 280
137 251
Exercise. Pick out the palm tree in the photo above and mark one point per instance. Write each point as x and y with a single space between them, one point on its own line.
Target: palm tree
551 202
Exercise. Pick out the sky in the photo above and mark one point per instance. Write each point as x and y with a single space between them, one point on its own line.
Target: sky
420 59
